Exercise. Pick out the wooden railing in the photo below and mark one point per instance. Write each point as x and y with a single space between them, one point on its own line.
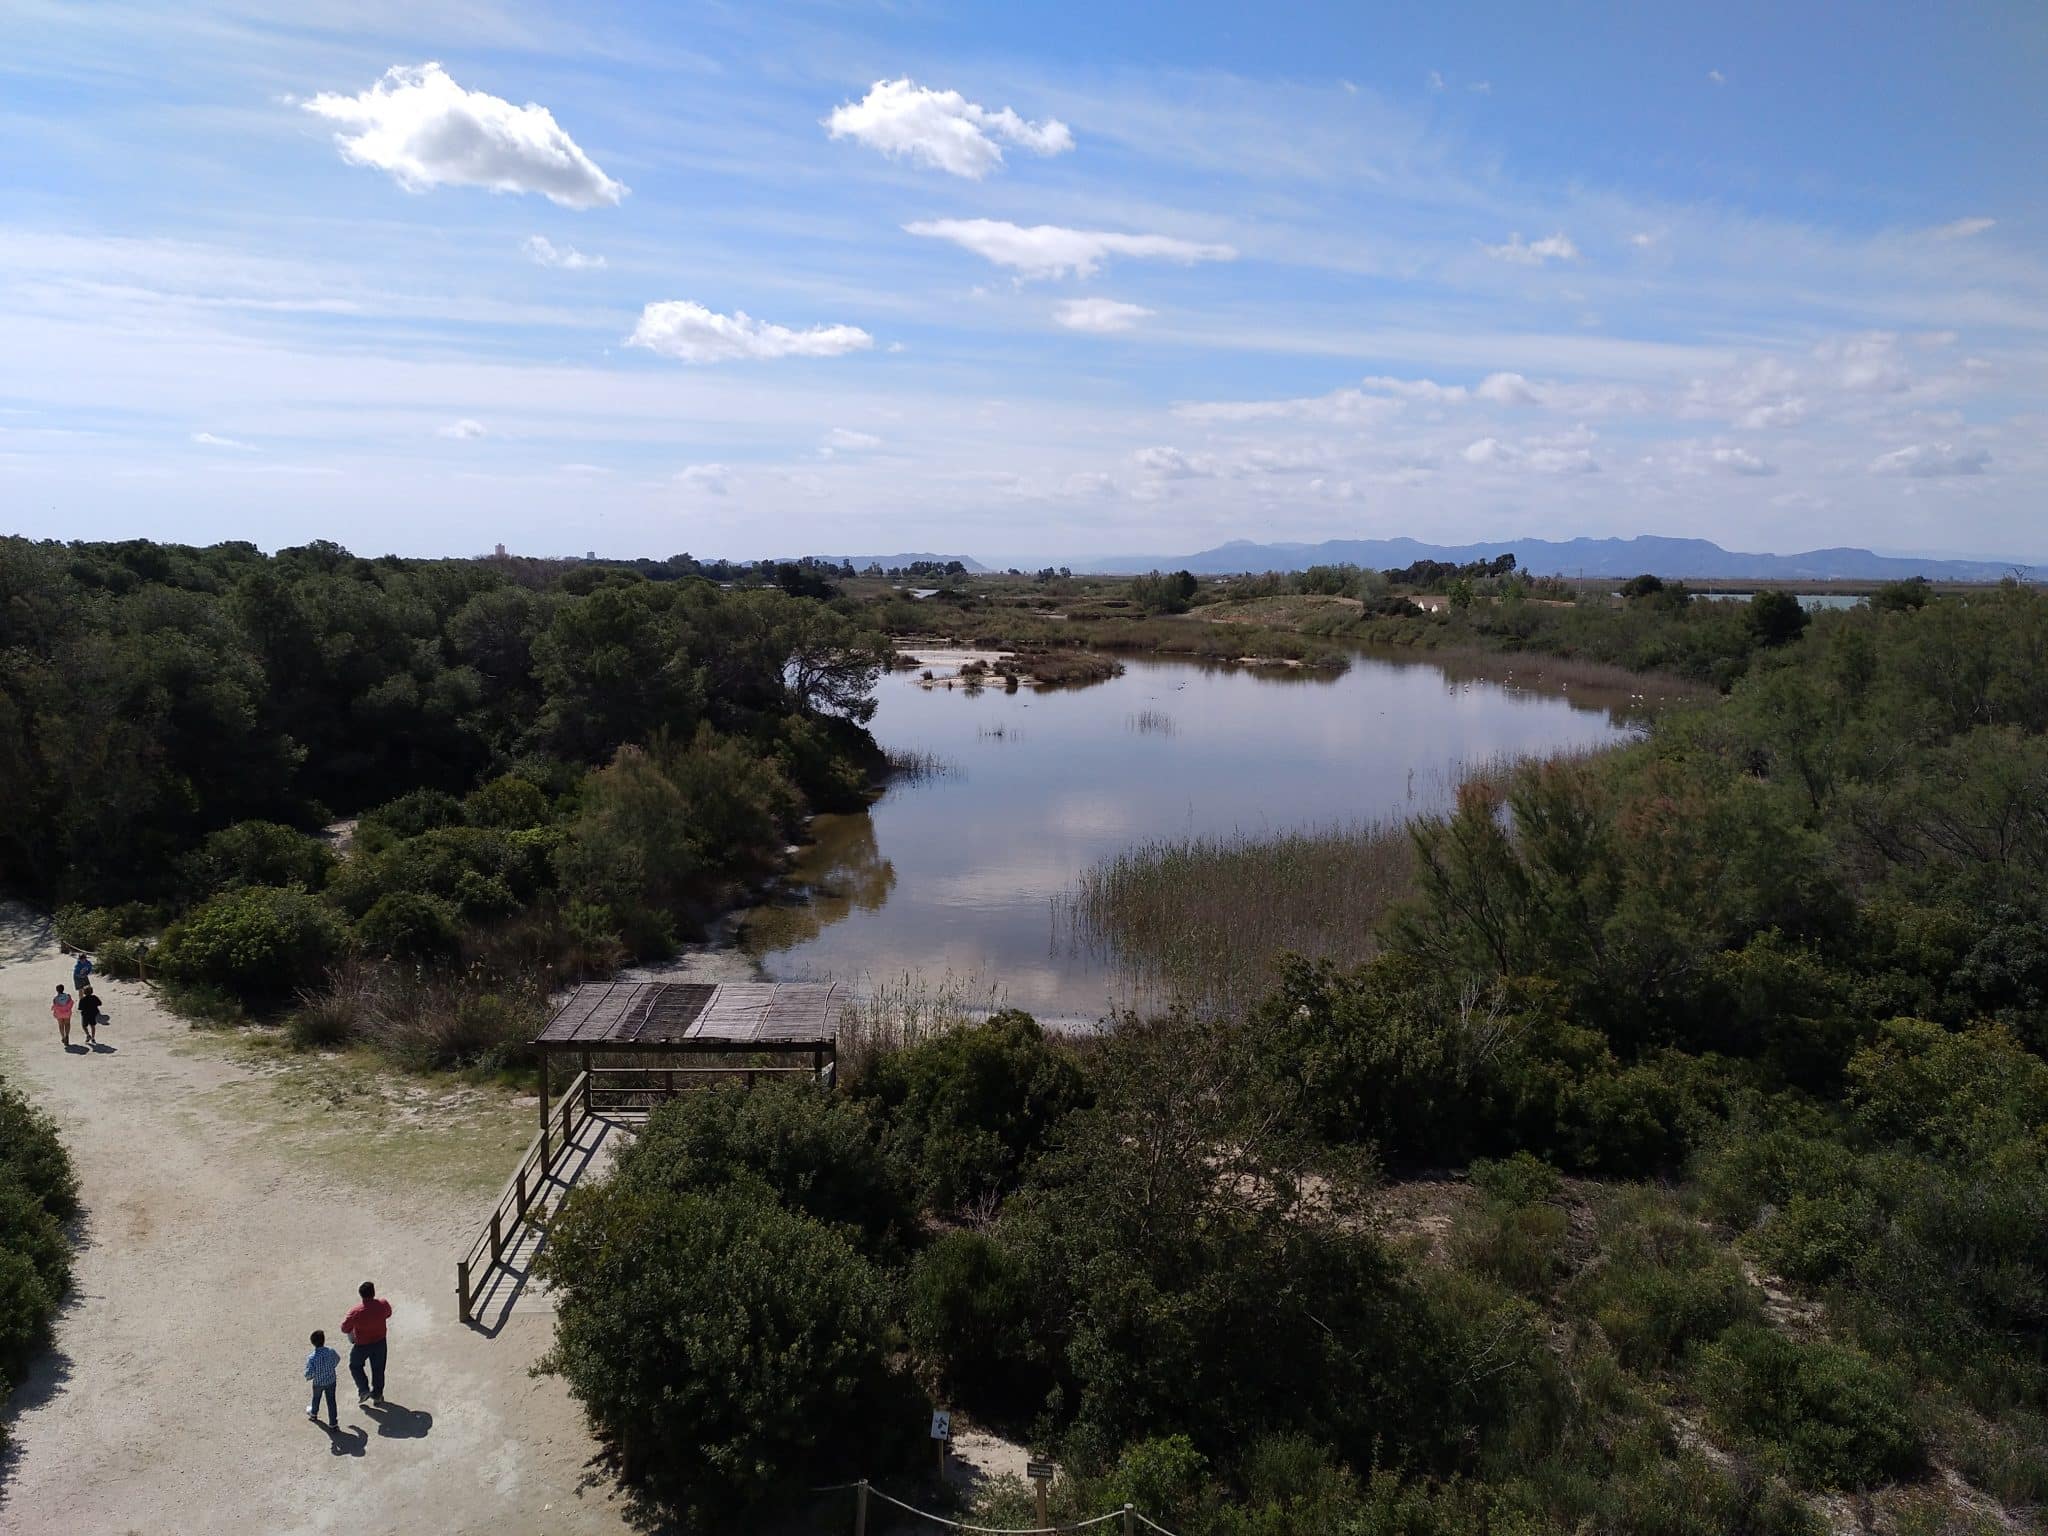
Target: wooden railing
527 1186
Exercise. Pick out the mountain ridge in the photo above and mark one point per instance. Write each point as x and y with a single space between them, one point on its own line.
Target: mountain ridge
1656 554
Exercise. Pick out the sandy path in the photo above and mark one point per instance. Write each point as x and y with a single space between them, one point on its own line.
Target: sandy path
222 1225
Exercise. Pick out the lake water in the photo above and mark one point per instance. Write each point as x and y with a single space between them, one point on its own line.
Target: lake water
955 877
1812 601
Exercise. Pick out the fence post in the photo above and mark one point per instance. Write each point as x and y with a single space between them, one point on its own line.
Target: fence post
860 1508
522 1192
1130 1524
462 1289
497 1239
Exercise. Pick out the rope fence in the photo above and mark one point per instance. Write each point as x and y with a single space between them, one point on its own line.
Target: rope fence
863 1489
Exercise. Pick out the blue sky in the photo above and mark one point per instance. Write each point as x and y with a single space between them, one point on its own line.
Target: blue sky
1023 282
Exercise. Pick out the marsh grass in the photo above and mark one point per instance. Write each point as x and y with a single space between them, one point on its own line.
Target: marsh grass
1203 921
1152 722
907 1010
916 767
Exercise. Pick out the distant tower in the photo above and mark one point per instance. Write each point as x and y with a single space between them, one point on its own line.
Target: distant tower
500 551
590 554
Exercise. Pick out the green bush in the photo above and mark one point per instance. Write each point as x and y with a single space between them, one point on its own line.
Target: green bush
1661 1284
967 1109
510 803
814 1151
38 1193
416 811
1826 1416
261 942
968 1306
257 853
730 1349
404 925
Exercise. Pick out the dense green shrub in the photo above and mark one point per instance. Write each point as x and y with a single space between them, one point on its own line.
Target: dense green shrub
814 1151
968 1305
38 1193
731 1350
405 925
263 942
1826 1416
1661 1284
510 803
257 853
967 1109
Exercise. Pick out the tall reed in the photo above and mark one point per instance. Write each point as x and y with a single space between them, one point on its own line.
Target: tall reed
1201 922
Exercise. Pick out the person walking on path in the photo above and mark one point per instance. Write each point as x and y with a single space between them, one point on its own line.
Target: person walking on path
320 1368
364 1330
89 1014
81 971
60 1010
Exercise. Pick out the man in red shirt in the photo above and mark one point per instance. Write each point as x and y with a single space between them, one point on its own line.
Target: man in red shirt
364 1330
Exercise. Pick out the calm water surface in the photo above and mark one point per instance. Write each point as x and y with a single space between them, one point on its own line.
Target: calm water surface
956 877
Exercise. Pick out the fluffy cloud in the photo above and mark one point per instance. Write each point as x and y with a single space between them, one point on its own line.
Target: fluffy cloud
427 131
846 440
1508 389
1048 250
1343 405
1535 253
1738 461
1427 390
706 479
1168 464
463 430
210 440
943 129
1488 450
1100 315
1568 454
690 333
1717 77
1928 460
1962 229
542 250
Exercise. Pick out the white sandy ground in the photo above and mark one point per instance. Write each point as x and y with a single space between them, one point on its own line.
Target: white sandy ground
221 1226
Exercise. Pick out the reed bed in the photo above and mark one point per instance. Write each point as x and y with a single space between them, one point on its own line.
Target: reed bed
1152 722
908 1010
1202 922
916 767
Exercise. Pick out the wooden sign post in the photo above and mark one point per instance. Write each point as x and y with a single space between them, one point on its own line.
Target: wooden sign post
942 1431
1040 1473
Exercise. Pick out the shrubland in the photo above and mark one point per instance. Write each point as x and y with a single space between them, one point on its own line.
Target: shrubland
1677 1161
535 771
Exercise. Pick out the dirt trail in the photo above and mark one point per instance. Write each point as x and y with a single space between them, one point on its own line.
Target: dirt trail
224 1221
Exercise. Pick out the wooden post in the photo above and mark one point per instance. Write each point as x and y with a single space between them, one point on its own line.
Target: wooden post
497 1239
543 1093
1038 1490
520 1214
462 1289
1130 1522
860 1508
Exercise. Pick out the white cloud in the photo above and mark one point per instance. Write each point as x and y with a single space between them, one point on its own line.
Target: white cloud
210 440
1167 464
1508 389
1535 253
540 249
1343 405
1563 461
1739 461
1566 454
709 479
690 333
464 430
1962 229
1048 250
905 120
1100 315
1646 239
1788 412
1350 87
846 440
427 131
1717 77
1927 460
1488 450
1416 389
1436 80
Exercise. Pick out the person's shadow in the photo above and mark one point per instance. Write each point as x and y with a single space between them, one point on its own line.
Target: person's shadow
353 1441
76 1050
395 1421
101 1048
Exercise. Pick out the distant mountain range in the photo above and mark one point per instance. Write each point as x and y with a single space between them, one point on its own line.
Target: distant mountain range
1682 559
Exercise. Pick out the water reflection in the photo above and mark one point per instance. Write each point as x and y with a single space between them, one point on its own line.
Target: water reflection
960 873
